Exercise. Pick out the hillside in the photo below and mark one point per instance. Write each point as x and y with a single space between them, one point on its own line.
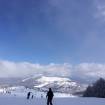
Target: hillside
58 84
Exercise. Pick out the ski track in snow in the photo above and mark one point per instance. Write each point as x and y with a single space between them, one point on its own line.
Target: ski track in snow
8 100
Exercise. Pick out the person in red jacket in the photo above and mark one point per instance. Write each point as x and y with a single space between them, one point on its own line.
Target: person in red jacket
49 96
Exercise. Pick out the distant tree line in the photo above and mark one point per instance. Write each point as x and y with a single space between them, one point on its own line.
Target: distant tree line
96 90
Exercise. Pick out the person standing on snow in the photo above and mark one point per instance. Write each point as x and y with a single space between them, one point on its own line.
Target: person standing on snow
28 95
49 96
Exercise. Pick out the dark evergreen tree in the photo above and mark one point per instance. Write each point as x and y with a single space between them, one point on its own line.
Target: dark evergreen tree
96 90
88 92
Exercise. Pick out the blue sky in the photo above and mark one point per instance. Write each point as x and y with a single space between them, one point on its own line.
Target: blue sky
53 38
52 31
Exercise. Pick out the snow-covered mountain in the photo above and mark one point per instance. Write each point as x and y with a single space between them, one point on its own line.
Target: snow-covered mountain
58 84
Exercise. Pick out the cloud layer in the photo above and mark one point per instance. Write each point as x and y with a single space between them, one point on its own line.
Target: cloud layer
83 71
21 69
88 71
100 9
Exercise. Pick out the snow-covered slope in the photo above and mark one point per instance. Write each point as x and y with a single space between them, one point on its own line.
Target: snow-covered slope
40 84
21 91
5 100
58 84
43 81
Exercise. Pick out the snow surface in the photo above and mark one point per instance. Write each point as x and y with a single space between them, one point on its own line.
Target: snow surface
14 100
49 80
52 79
58 84
21 91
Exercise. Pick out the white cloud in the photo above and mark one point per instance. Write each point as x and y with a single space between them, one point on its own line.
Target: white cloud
83 71
21 69
89 71
100 9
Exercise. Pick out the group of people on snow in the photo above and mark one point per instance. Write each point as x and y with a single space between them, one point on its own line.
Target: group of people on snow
49 96
29 94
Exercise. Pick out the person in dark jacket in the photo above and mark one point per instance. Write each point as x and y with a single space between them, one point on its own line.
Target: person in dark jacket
49 96
32 96
28 95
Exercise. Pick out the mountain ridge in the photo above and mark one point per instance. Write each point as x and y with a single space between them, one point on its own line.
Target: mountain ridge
58 84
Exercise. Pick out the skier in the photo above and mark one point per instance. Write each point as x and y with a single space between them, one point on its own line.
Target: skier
49 96
28 95
41 95
32 96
